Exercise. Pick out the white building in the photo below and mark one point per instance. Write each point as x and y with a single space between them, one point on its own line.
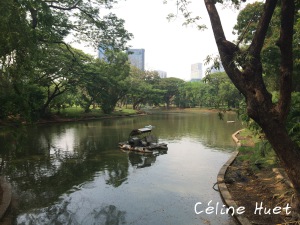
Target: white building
162 74
214 70
137 58
196 72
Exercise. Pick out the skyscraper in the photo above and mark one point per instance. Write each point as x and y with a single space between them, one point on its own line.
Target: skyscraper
101 53
217 70
196 71
137 58
162 74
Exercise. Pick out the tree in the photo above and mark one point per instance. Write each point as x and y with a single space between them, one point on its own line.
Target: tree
247 21
58 71
245 69
114 86
171 87
32 30
247 76
141 85
104 82
17 46
223 90
192 94
89 88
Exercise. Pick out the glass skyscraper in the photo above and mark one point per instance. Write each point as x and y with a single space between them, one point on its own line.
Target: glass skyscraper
137 58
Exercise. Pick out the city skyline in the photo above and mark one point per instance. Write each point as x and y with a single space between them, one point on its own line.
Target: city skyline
137 58
170 46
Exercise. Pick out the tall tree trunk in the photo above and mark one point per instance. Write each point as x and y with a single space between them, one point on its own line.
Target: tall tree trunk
249 81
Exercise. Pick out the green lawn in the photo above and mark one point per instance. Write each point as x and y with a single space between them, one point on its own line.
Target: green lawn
78 113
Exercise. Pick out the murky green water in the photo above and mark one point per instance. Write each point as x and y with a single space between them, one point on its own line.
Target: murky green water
74 173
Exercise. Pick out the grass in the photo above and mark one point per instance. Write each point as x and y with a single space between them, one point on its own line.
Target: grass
248 135
259 155
78 113
255 158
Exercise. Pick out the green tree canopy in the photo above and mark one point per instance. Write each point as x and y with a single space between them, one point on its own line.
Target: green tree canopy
33 32
171 87
142 87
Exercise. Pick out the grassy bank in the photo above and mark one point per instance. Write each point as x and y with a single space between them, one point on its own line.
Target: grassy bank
78 112
71 114
256 151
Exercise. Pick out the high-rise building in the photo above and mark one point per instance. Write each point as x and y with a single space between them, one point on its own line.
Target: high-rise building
217 70
101 53
196 72
162 74
137 58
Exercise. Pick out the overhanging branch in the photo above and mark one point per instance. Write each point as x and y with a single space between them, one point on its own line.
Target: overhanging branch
262 28
227 49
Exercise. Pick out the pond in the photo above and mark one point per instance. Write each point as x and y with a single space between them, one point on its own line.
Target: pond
74 173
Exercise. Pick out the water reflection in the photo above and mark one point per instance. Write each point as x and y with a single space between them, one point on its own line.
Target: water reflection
62 214
142 160
207 128
75 174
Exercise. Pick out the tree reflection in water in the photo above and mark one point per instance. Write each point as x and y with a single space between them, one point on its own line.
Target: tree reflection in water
62 214
75 174
108 215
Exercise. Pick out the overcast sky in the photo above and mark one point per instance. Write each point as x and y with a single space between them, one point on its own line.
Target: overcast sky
169 46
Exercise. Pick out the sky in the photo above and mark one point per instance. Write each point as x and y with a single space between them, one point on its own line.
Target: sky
169 46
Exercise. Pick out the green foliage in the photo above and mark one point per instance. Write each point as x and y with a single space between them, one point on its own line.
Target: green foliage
104 82
260 154
264 146
293 121
190 94
225 93
216 90
250 123
171 87
247 22
142 88
36 65
245 28
116 71
254 156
